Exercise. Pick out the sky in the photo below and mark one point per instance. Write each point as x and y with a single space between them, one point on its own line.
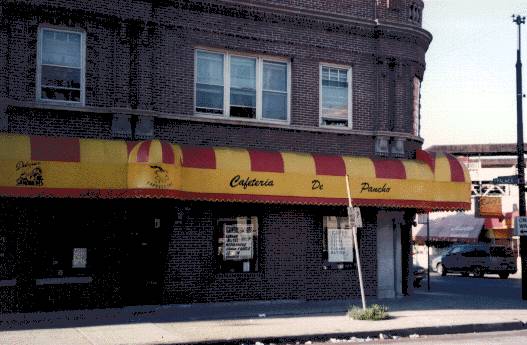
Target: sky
468 94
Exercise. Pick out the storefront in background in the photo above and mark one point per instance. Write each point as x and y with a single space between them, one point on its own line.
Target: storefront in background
95 223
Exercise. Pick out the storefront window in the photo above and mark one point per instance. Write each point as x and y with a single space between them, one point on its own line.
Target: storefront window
237 244
337 243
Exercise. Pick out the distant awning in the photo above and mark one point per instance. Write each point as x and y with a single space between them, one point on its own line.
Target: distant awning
33 166
458 227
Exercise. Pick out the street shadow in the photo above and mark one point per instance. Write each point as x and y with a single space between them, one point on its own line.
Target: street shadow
446 293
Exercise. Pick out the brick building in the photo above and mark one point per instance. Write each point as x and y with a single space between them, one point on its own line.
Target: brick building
193 151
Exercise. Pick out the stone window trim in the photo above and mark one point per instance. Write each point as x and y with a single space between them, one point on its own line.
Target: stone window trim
260 60
82 67
325 117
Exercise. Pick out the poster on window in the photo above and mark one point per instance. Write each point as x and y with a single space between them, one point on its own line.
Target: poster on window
238 242
340 245
79 257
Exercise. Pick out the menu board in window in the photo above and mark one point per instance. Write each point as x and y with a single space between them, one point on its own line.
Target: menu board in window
238 242
340 245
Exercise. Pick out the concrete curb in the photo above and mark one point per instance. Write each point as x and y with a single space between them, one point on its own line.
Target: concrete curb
421 331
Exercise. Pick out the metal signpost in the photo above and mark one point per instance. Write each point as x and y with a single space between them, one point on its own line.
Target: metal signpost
357 221
425 219
519 20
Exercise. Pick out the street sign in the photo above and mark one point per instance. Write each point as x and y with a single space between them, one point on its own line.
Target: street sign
513 179
355 217
520 226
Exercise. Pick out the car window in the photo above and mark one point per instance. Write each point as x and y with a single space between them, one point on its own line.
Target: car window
456 250
500 251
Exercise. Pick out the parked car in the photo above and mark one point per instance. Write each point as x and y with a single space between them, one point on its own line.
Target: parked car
478 259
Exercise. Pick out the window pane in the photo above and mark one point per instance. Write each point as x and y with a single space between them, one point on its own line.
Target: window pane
335 101
416 104
243 73
61 94
61 48
325 73
275 105
275 76
243 87
210 68
333 74
335 93
209 96
61 76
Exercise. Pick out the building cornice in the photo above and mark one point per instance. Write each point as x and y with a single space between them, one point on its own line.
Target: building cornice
109 111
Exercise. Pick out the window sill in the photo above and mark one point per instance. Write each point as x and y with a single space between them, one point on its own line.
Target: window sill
241 120
63 280
59 103
236 273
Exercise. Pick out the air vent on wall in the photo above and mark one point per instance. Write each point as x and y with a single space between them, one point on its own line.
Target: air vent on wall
397 147
381 146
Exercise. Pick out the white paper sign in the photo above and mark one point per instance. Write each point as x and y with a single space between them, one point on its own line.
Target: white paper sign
238 242
355 217
79 257
340 245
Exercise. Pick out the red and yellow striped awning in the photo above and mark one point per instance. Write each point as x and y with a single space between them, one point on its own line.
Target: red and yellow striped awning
33 166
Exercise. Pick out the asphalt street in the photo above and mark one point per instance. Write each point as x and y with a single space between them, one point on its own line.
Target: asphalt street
493 338
489 286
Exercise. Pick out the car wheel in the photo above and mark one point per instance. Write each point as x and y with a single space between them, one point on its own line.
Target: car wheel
441 269
504 275
478 272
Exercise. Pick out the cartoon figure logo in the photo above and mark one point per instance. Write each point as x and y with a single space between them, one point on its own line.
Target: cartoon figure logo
30 174
161 178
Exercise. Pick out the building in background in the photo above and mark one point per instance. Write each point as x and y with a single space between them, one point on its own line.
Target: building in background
492 169
195 151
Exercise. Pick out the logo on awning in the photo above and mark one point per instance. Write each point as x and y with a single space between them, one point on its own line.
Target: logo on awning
30 174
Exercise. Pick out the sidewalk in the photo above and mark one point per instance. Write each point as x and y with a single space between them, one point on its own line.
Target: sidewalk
435 312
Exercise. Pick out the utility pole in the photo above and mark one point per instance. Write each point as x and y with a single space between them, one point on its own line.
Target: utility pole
519 147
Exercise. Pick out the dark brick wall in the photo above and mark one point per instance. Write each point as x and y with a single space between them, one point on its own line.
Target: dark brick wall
290 263
290 257
140 55
60 123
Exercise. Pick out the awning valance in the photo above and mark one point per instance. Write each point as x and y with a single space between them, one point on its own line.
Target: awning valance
70 167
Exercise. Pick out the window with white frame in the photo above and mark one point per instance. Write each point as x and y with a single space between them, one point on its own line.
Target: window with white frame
60 67
239 86
416 107
335 96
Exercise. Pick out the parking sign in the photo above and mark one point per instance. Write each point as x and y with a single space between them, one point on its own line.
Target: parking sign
520 226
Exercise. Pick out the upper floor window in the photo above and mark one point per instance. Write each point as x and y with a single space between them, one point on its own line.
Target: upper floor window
335 96
242 86
60 70
416 106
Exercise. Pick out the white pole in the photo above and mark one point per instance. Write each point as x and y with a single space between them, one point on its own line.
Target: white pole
355 243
